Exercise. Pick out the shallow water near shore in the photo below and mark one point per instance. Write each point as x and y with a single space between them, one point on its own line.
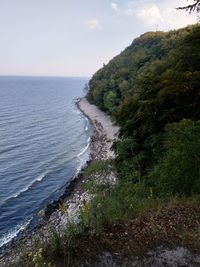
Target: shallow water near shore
44 143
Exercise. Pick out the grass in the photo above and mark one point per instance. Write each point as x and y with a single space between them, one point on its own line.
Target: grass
124 213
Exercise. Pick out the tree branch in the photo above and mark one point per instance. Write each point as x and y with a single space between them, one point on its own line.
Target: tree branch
192 7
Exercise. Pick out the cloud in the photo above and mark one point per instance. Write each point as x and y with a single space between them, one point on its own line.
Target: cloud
150 14
176 18
165 15
93 24
130 8
114 6
129 12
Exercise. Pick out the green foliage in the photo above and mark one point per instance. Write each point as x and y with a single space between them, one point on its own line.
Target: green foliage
56 244
71 230
85 216
37 259
178 171
152 83
110 101
99 170
125 200
99 167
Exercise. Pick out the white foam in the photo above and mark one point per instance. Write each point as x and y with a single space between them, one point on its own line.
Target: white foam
26 188
86 127
38 179
83 151
83 159
79 168
87 124
12 234
75 110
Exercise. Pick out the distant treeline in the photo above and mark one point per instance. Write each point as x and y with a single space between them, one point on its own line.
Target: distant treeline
152 91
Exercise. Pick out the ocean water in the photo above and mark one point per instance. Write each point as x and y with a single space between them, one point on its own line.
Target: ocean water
44 141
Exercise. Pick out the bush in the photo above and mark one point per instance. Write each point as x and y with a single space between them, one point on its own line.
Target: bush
178 171
125 200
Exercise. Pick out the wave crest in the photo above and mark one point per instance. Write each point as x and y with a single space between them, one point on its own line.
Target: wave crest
12 234
26 188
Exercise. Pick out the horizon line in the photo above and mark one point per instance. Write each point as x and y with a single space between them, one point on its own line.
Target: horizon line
43 76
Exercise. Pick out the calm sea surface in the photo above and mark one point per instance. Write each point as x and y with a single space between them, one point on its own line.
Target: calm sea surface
44 141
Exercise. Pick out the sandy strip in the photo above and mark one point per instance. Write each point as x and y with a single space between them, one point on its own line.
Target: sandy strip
102 124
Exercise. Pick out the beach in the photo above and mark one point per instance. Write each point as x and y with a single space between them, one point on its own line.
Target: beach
65 210
102 124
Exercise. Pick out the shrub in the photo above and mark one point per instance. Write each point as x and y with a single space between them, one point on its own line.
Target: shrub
178 171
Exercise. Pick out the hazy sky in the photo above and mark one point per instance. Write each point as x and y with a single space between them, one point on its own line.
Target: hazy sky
75 37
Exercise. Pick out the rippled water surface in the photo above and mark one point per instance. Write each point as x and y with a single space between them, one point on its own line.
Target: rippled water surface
43 143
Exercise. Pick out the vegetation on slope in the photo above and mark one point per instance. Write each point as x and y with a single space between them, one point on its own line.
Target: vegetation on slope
152 91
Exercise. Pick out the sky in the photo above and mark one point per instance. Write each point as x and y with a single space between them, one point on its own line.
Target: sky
76 37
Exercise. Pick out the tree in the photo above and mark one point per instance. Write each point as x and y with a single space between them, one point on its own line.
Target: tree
124 86
154 82
178 170
192 7
110 100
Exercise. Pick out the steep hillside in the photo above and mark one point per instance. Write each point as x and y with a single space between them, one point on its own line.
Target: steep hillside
152 91
142 65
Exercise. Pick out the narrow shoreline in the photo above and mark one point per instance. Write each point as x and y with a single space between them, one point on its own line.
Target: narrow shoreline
102 124
104 133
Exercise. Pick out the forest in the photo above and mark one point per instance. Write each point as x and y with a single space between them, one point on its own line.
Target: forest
152 91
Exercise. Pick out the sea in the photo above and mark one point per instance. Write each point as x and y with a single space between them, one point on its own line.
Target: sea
44 142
